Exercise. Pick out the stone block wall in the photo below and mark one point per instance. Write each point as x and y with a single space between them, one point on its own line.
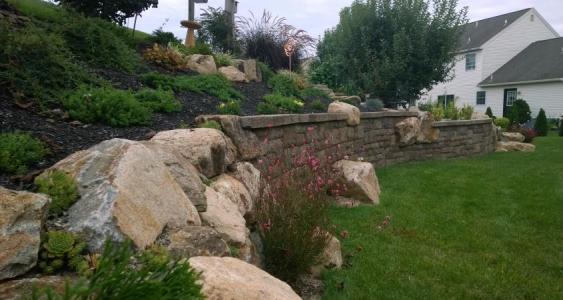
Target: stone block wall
375 139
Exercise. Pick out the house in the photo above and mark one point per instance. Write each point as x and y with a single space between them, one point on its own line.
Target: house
512 56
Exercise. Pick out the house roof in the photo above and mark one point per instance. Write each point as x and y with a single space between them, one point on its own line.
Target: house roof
542 60
477 33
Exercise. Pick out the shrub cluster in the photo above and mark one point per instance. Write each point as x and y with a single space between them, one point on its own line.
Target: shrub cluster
277 103
106 105
374 105
166 57
287 84
18 151
159 100
450 112
520 112
502 122
163 38
122 274
223 59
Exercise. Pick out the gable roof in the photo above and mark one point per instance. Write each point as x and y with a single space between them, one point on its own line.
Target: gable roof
542 60
477 33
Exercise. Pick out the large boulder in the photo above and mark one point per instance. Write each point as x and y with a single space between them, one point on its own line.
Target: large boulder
233 74
202 64
231 278
249 68
193 241
225 217
512 137
235 191
408 131
515 146
360 179
248 145
126 192
208 149
427 133
351 111
352 100
186 175
479 116
21 217
246 173
23 288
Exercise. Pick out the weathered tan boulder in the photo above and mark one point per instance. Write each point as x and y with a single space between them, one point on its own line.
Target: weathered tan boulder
225 217
351 111
193 241
249 68
23 288
330 258
248 145
427 133
360 179
408 131
352 100
202 64
208 149
512 137
479 116
246 173
231 278
233 74
126 192
21 217
235 191
515 146
184 172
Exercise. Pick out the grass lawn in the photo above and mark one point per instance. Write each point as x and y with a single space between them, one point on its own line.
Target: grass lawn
485 227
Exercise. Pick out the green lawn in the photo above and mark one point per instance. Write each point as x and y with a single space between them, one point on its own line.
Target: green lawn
479 228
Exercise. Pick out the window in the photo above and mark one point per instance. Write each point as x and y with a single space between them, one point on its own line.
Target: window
481 97
510 97
446 100
470 61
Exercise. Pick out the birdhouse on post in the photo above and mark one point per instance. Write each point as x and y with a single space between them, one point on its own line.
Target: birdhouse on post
191 24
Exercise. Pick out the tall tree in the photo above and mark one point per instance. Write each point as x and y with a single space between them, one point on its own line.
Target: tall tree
113 10
391 48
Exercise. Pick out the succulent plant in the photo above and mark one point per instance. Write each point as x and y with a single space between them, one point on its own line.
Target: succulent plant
62 249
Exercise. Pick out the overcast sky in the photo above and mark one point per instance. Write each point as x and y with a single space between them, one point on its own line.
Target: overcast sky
316 16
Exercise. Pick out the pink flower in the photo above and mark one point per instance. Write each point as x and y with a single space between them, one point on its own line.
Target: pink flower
311 128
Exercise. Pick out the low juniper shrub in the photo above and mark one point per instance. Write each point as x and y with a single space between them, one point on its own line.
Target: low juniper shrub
287 84
60 187
159 100
318 105
374 105
107 105
277 103
18 151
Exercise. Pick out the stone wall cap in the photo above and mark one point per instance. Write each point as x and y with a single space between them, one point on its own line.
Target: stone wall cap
383 114
265 121
450 123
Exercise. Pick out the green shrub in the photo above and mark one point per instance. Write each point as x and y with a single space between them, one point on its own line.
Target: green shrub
199 48
438 112
62 250
451 112
37 9
313 93
489 113
276 103
211 124
163 38
159 100
106 105
18 151
561 127
267 73
166 57
223 59
426 106
60 187
541 124
318 105
95 42
520 112
502 122
374 104
286 84
122 274
231 107
466 112
214 85
36 65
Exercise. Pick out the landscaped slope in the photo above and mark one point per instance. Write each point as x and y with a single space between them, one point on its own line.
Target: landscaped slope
487 227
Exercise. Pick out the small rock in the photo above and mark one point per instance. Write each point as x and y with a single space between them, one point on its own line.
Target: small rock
202 64
408 131
225 217
21 218
235 191
360 179
515 146
330 258
231 278
193 241
512 137
427 133
23 288
250 176
233 74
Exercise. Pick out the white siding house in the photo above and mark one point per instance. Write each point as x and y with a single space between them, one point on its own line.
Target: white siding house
486 47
